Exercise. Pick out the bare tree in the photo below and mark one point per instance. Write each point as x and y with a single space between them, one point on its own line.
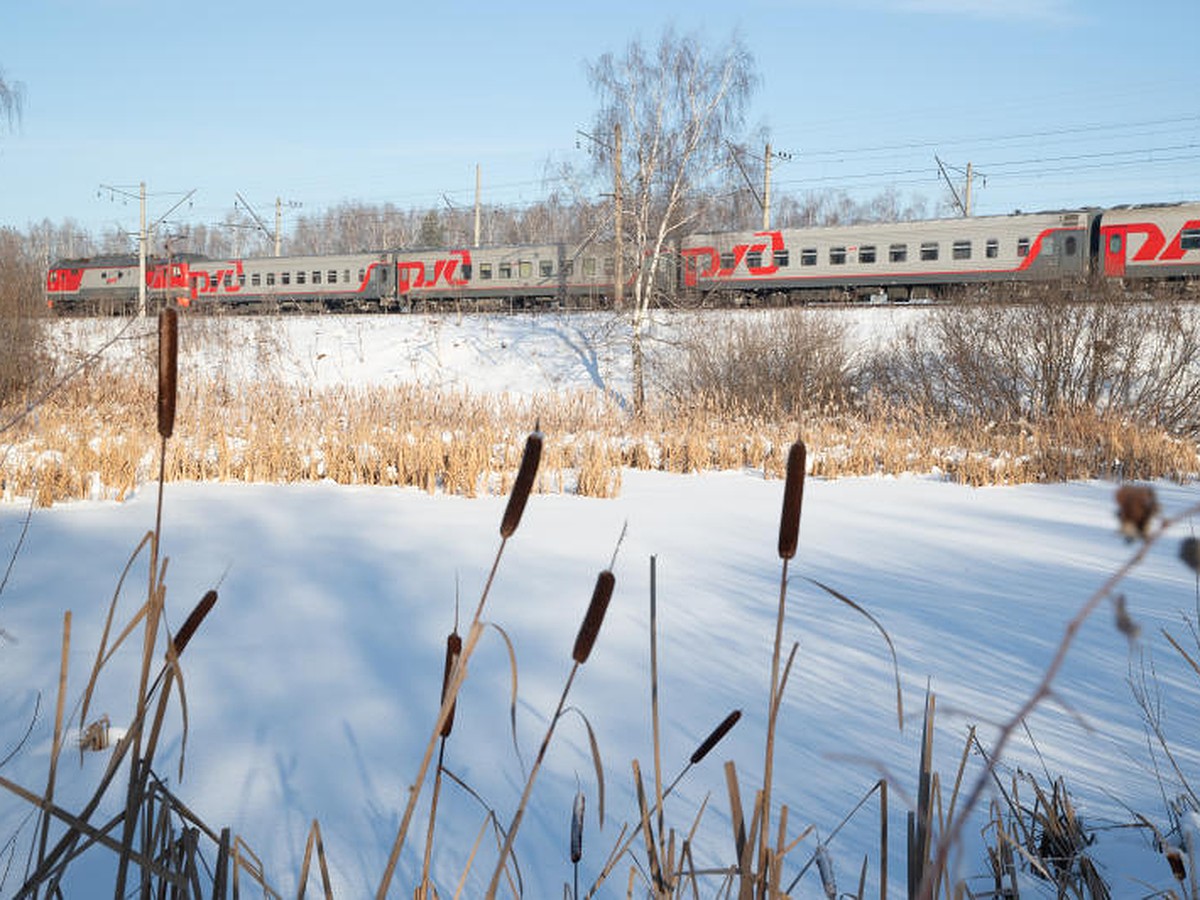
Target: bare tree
12 99
677 106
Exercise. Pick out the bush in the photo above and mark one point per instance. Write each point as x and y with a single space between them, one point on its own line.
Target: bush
21 358
780 362
993 362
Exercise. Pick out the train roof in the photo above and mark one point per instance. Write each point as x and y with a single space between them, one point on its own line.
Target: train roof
122 259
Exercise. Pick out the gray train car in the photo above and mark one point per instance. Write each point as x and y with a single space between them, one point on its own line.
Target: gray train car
519 276
901 259
346 281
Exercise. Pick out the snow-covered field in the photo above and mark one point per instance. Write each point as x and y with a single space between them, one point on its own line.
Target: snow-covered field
313 685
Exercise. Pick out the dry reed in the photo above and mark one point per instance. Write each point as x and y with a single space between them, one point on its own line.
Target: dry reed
95 439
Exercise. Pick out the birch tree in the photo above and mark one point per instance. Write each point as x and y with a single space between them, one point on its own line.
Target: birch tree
12 97
678 105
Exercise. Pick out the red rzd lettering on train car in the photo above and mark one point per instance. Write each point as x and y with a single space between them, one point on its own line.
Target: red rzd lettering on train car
224 281
410 275
694 269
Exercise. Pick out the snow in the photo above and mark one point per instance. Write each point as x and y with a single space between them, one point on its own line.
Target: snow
313 686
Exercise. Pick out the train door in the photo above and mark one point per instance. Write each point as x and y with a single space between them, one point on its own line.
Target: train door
1114 253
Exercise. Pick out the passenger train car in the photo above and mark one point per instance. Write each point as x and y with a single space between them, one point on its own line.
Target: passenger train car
898 261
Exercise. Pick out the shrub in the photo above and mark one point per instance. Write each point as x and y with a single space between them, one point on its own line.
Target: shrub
781 362
21 357
990 361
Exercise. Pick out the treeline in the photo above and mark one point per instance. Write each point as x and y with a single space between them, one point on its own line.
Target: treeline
356 226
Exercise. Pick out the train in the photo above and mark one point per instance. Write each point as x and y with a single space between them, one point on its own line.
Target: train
880 262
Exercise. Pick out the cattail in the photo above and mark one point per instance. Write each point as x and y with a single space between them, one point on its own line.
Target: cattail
192 622
168 357
1175 861
523 485
1125 622
793 495
1189 552
715 738
453 650
825 868
605 582
577 828
1136 506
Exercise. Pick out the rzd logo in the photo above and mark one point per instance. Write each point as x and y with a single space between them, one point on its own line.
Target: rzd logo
410 275
705 262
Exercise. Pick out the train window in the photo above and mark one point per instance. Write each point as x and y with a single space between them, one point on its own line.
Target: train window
242 280
300 278
754 259
808 256
1070 245
961 250
361 275
568 267
866 254
898 253
837 256
1189 239
383 275
332 276
929 251
1022 246
346 276
255 280
505 270
227 280
466 271
728 261
545 268
781 258
992 249
270 279
525 268
485 271
316 276
285 278
1048 245
609 266
589 267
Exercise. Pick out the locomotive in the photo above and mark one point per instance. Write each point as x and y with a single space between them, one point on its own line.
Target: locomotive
897 261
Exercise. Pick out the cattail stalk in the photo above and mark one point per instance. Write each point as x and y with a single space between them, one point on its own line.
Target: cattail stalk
577 829
793 496
508 525
789 538
193 621
168 365
588 631
523 485
706 747
577 838
453 651
715 737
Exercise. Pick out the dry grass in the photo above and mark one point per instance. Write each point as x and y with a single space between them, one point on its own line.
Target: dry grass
97 438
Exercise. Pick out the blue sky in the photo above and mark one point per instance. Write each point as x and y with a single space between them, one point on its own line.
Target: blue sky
1056 103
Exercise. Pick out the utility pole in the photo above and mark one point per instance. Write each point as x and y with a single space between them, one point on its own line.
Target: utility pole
963 203
767 188
477 205
142 253
619 254
143 231
967 192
